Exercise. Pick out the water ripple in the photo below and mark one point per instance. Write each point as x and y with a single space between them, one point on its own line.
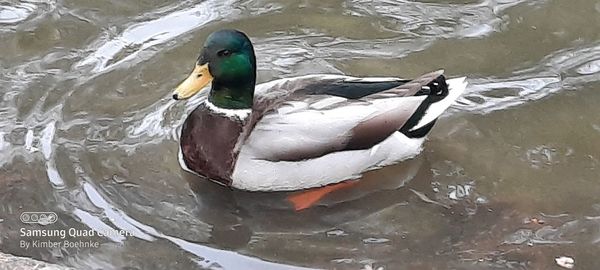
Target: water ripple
209 256
565 69
15 14
23 13
139 37
439 20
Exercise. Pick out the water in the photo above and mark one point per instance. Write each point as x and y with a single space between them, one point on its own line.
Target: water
508 179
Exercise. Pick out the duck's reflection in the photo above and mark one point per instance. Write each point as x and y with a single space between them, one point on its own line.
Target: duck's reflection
374 191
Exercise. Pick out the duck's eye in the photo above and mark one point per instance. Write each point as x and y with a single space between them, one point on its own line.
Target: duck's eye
222 53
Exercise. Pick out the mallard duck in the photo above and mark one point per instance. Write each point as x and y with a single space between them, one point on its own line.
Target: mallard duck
301 132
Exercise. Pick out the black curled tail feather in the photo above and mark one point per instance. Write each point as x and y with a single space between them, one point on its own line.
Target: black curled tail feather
435 90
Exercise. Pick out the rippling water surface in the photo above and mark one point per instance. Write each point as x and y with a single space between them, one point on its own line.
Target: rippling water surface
510 177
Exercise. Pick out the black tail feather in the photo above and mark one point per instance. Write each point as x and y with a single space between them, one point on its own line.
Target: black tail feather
437 87
435 91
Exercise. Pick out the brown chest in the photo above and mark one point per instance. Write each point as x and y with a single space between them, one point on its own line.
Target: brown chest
208 143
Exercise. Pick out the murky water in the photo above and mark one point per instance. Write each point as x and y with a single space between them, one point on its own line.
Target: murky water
510 178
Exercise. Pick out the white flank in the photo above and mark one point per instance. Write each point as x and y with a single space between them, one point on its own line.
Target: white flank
240 114
455 88
262 175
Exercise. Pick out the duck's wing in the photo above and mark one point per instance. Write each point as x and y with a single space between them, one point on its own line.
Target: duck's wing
310 116
317 86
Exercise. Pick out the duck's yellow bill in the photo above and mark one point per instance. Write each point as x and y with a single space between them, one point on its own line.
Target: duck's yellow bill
199 78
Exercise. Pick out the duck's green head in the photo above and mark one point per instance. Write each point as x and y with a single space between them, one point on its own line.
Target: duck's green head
227 60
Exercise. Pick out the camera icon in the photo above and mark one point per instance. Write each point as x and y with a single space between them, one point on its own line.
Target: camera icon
42 218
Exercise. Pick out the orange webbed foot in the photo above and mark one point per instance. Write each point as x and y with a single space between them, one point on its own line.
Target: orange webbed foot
305 199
